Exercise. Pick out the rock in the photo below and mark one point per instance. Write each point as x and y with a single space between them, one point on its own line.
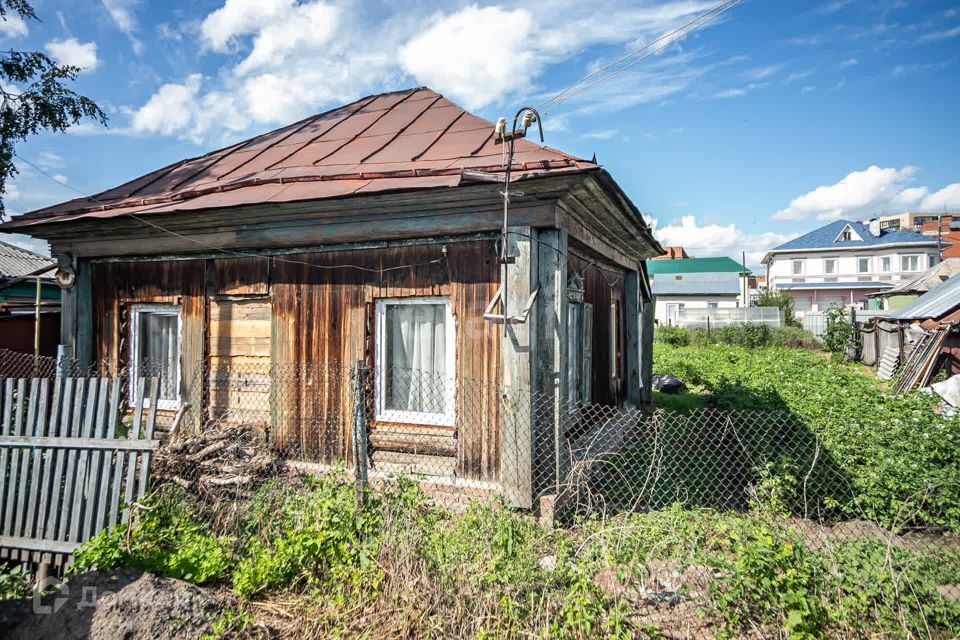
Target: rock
104 605
548 563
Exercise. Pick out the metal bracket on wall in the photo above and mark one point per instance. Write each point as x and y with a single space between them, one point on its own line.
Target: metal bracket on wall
488 313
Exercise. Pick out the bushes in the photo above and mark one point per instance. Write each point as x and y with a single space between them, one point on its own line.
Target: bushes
751 335
899 457
841 333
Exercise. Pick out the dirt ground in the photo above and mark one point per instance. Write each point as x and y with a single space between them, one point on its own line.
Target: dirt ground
106 605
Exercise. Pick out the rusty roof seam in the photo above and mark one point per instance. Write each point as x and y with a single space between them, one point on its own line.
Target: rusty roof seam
324 132
439 135
366 128
402 129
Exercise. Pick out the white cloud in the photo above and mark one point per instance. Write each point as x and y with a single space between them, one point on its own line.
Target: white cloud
945 199
59 177
849 62
170 109
798 75
283 60
477 54
872 191
736 92
11 192
122 15
13 26
945 34
605 134
74 53
49 160
808 88
718 240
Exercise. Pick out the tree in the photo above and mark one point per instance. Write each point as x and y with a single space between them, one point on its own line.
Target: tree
780 299
35 97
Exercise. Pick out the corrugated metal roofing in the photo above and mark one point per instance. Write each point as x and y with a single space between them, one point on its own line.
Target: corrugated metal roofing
694 265
697 284
825 236
16 262
929 279
935 303
411 139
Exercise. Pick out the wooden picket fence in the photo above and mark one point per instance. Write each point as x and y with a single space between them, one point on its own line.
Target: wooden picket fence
69 466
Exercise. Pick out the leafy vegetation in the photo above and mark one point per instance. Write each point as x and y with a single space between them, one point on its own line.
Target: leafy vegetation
35 96
899 457
399 567
750 335
841 333
782 300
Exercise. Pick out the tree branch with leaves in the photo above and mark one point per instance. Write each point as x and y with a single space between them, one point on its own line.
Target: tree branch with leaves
35 97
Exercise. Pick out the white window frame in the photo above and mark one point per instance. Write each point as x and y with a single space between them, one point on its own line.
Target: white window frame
827 261
908 256
793 267
886 264
136 311
443 418
860 261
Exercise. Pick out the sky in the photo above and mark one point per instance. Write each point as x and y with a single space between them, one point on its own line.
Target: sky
765 124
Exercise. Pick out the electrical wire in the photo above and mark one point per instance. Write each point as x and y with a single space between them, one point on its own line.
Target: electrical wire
707 17
229 252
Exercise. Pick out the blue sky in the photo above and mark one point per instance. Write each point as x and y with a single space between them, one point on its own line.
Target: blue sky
775 118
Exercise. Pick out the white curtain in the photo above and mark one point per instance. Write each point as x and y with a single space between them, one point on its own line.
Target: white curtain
159 351
416 358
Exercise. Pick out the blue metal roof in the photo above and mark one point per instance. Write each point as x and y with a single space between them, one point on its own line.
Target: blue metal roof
824 237
935 303
836 285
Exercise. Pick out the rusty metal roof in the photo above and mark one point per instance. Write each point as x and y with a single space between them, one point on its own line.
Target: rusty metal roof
411 139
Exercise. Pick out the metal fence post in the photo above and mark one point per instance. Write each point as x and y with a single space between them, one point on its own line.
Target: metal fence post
360 449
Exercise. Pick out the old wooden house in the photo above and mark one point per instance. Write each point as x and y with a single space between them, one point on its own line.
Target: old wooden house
371 233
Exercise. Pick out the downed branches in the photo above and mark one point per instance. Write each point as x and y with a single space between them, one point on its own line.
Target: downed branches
232 459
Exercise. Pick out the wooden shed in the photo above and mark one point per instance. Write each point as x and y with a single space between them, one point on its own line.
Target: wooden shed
332 240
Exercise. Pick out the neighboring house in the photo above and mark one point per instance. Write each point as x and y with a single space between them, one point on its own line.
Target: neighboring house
672 253
906 221
908 291
947 235
21 273
841 263
695 283
370 233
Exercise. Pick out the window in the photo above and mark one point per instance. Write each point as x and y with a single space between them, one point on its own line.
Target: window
863 265
155 350
579 353
798 267
414 353
846 236
934 259
830 266
713 305
615 339
885 264
910 263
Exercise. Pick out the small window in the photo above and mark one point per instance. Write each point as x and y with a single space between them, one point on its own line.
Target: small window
846 236
713 305
798 267
579 354
934 259
885 264
830 266
414 351
910 263
863 265
155 351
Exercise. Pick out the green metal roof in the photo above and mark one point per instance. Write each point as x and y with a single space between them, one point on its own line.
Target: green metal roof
695 265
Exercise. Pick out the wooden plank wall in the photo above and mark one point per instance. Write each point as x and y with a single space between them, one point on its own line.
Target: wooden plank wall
322 317
600 288
330 311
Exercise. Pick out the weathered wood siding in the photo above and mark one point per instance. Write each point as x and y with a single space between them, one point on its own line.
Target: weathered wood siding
239 360
319 322
329 314
602 284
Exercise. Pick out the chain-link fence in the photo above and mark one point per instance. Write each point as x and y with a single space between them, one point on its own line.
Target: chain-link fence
707 501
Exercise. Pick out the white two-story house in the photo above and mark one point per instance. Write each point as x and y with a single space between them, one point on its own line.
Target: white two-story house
840 263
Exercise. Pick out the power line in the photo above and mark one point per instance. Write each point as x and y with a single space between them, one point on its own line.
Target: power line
212 247
697 23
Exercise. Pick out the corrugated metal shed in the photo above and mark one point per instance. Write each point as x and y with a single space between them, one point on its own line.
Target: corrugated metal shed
693 284
411 139
16 262
929 279
934 304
